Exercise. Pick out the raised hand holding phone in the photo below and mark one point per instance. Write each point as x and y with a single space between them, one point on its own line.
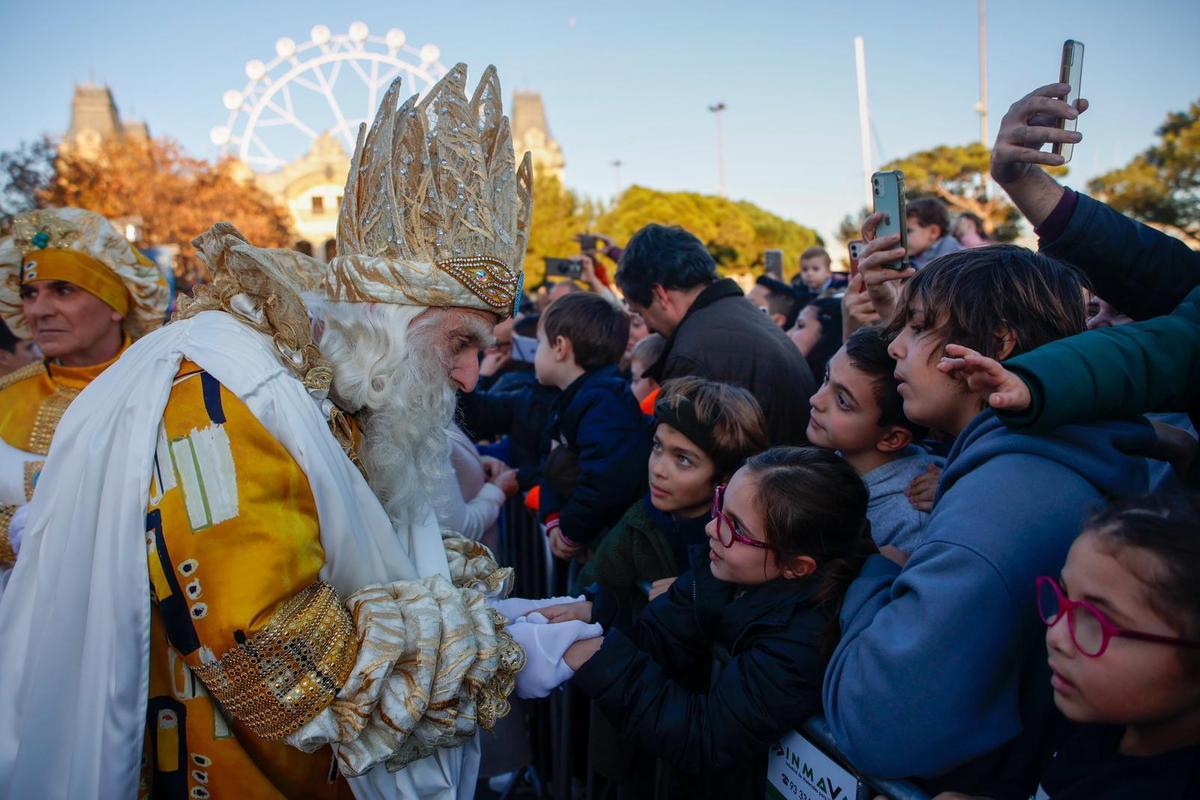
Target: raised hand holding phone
1070 73
881 280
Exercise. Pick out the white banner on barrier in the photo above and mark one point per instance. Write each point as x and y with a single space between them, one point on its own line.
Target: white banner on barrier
799 770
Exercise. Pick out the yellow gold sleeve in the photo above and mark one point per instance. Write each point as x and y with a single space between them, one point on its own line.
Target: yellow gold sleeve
291 669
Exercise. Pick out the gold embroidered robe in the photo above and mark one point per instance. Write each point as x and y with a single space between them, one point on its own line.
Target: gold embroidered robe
233 546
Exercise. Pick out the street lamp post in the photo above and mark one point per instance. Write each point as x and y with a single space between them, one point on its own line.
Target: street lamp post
616 165
717 109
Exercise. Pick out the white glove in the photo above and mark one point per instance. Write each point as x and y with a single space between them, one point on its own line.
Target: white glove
544 645
515 607
16 527
12 473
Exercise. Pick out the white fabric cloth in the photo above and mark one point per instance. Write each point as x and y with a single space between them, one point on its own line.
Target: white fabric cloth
465 502
12 473
75 622
513 608
545 643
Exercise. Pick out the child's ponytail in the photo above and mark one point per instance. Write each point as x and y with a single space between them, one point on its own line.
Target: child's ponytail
813 503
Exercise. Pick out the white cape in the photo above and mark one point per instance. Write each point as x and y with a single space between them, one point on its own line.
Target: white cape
75 618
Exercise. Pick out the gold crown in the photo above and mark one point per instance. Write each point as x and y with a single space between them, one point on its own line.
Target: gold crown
435 212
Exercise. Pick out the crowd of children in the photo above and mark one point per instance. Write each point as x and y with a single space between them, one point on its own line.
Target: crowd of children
982 566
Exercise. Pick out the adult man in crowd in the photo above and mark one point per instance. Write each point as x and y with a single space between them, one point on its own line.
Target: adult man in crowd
929 231
266 456
669 277
775 299
70 283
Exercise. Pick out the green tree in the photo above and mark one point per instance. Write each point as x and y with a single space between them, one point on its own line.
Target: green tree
558 215
956 174
24 174
735 232
1161 186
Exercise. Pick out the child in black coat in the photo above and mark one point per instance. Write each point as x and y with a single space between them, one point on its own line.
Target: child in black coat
787 536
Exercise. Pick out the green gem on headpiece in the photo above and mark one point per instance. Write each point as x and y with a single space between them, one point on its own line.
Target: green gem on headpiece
40 240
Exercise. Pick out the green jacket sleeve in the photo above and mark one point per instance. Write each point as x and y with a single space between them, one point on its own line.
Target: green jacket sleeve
1105 373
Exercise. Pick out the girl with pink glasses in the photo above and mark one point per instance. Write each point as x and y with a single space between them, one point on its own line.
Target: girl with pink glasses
1124 649
787 535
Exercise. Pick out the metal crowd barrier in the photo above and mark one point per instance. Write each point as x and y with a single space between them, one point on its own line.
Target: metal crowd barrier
816 731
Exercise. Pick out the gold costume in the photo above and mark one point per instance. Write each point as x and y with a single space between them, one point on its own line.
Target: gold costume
32 401
234 555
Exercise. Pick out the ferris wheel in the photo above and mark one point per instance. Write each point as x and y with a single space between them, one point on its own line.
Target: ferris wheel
331 83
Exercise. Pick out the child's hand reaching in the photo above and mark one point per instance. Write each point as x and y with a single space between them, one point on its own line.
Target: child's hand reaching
1005 391
581 611
923 489
660 586
562 547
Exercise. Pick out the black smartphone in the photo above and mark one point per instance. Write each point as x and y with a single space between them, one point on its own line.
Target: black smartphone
587 242
888 189
565 267
773 263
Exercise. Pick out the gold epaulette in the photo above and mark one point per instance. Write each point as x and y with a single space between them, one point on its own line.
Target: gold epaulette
288 672
27 371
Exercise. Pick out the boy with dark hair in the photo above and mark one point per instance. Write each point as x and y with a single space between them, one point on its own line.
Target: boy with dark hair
949 642
929 231
777 300
669 278
597 438
859 412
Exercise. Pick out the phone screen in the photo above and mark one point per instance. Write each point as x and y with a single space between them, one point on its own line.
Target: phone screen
1071 73
524 348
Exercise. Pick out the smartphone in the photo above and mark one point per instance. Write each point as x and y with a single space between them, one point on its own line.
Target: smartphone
1069 72
855 249
566 267
773 263
524 348
888 189
587 242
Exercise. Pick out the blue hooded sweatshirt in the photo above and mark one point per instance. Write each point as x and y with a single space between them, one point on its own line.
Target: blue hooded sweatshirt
942 662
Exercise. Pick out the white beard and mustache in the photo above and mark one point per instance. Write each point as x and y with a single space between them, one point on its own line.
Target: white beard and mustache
393 377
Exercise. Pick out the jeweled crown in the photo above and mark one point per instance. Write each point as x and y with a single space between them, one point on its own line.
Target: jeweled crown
435 212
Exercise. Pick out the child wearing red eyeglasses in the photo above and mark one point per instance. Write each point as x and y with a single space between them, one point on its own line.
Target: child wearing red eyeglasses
1124 651
787 535
1123 638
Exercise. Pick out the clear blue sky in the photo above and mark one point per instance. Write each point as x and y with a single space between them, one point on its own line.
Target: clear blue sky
631 80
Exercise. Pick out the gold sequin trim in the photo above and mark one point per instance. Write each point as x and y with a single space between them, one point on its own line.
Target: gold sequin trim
28 371
288 672
492 699
487 278
7 556
32 468
49 414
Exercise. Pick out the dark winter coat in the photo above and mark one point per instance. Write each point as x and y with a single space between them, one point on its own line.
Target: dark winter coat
723 337
1143 272
602 470
767 640
516 406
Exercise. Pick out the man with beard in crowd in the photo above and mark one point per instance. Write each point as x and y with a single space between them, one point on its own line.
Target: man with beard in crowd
264 465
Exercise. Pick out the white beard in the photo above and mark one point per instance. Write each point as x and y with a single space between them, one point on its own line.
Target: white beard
387 369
